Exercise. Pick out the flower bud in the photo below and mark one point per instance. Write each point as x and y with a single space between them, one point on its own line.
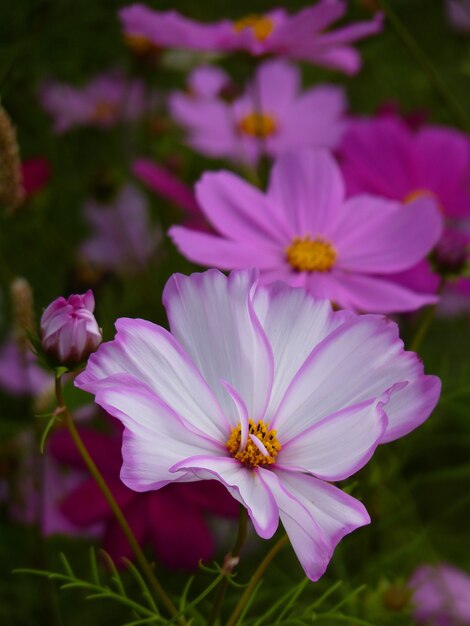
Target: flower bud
69 331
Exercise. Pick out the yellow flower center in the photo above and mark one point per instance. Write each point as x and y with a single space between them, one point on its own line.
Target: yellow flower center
311 255
422 193
258 125
261 25
139 44
104 111
252 455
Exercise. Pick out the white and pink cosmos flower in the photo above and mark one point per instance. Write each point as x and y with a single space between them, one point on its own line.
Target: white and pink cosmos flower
69 330
268 391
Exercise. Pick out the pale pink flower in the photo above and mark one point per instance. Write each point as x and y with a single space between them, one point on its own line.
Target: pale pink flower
304 36
69 330
105 101
441 595
305 232
272 117
266 390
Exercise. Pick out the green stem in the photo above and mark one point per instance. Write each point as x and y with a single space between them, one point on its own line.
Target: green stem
426 322
114 506
230 562
455 109
262 567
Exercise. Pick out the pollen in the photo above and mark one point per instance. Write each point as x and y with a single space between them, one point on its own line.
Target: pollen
105 111
262 446
421 193
140 45
260 25
258 125
311 255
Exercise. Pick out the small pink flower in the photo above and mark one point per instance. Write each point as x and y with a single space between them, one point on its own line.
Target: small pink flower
304 36
123 238
273 116
303 231
69 331
173 520
105 101
266 390
441 595
385 156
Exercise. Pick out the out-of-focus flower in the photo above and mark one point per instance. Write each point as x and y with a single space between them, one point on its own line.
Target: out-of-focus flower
36 173
69 330
273 116
105 101
20 373
441 595
305 232
385 156
303 36
266 390
123 238
458 14
174 520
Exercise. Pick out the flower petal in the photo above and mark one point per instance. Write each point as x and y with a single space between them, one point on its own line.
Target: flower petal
212 317
244 485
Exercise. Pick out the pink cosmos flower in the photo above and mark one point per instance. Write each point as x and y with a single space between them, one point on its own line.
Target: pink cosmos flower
104 102
304 36
173 520
273 116
69 330
266 390
20 373
441 595
458 14
305 232
385 156
123 238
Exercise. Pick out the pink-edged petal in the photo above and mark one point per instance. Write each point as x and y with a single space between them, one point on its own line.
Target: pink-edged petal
239 210
339 445
152 355
307 188
212 316
359 361
374 294
335 514
155 438
276 307
381 237
211 250
244 485
242 411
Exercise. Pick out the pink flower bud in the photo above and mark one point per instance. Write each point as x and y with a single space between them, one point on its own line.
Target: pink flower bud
69 330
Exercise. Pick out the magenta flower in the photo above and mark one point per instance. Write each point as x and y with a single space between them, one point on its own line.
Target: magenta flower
385 156
172 520
266 390
303 231
36 172
272 117
305 36
20 373
105 101
123 238
69 330
441 595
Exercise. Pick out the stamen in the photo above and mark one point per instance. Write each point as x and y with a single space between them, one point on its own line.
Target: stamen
262 446
140 45
105 111
261 25
258 125
311 255
422 193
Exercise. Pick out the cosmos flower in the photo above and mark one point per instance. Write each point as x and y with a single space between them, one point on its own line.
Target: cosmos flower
174 520
20 373
304 36
69 330
266 390
107 100
273 116
122 238
305 232
441 595
385 156
458 15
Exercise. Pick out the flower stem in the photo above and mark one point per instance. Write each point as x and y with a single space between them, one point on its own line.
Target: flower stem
425 322
262 567
230 562
114 506
454 107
